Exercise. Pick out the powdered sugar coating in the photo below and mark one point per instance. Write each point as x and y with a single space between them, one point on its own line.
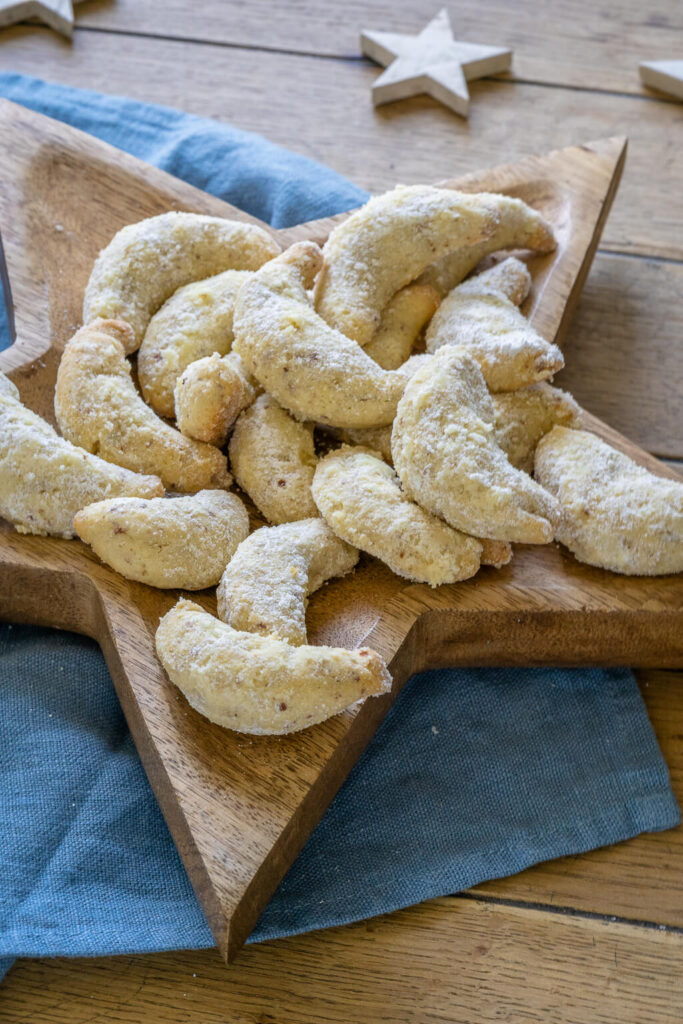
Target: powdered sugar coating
181 542
146 262
480 316
273 459
613 512
311 369
266 585
390 241
261 684
519 227
99 408
402 322
521 418
377 439
209 396
446 455
8 389
194 323
361 499
45 480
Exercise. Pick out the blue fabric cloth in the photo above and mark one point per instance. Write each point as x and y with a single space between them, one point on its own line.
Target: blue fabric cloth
474 774
244 169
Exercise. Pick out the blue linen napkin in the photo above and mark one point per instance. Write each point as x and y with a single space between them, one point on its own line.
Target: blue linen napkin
474 774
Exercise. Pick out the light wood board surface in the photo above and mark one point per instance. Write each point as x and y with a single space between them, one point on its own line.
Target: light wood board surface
458 961
326 116
570 43
376 147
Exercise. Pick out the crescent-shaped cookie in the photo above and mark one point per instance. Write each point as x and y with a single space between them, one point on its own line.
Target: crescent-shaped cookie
146 262
387 243
209 396
184 542
266 585
310 368
447 457
360 498
261 684
402 321
273 459
519 227
8 389
481 316
195 322
613 512
377 439
45 480
521 419
99 408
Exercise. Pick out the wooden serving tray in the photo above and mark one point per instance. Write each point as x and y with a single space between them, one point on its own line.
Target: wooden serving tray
240 808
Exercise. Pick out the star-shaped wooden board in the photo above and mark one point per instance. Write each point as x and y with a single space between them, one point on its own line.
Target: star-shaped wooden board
240 808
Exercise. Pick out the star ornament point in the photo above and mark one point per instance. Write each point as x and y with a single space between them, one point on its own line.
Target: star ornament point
665 75
431 62
58 14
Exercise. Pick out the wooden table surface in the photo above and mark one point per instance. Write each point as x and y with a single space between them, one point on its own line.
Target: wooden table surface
590 939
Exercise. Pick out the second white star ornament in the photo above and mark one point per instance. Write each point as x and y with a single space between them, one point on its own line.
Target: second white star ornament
431 62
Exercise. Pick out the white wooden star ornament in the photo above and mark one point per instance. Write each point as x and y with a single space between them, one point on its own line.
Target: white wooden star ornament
431 62
665 75
58 14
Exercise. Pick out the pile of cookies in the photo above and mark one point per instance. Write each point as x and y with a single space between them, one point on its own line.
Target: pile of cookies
373 396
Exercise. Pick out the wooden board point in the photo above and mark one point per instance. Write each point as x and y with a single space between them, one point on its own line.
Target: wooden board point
239 807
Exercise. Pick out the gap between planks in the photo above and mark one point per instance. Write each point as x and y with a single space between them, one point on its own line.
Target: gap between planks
444 961
406 141
423 142
635 880
350 58
576 43
565 911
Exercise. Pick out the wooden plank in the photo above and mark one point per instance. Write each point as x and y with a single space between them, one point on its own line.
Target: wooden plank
573 43
457 961
639 879
415 140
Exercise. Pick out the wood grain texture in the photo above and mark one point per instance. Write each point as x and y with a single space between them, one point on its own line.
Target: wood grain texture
451 960
623 350
630 313
592 46
63 195
411 141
